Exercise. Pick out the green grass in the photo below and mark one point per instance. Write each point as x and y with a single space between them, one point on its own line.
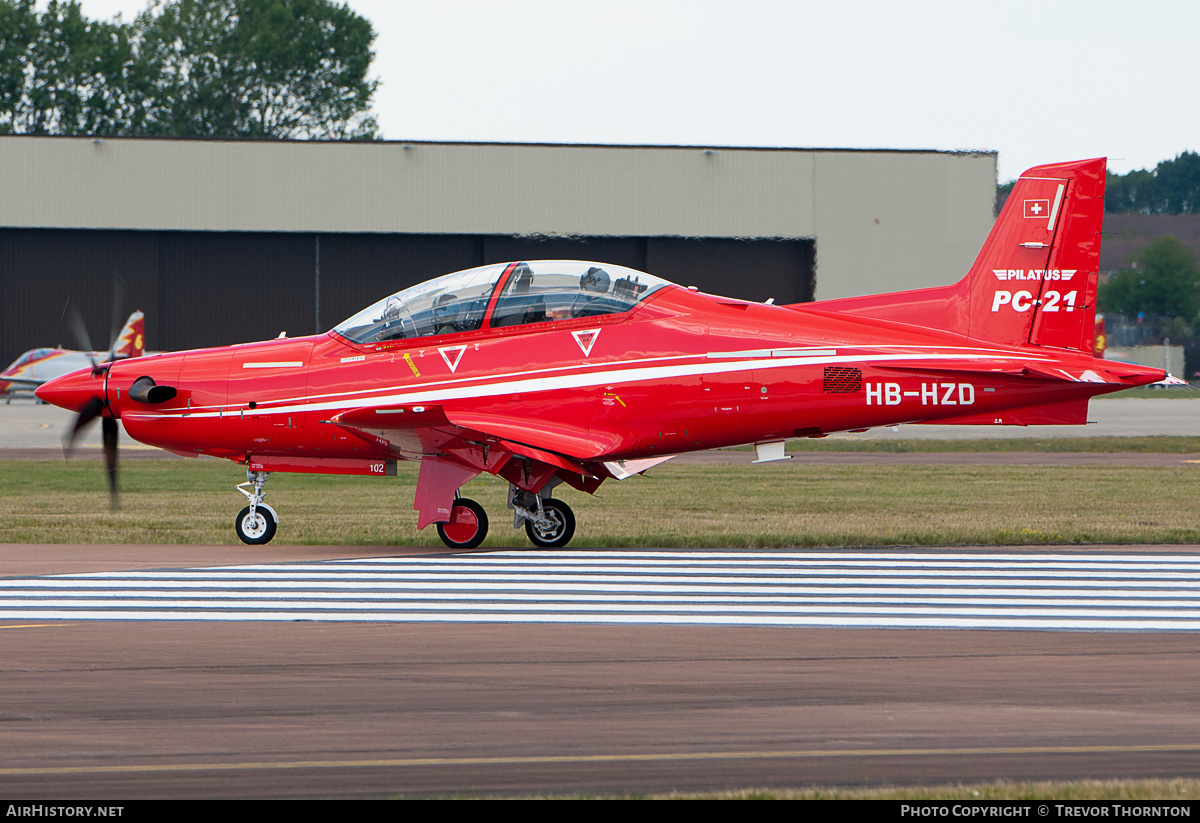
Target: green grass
1178 790
1170 790
679 505
1189 392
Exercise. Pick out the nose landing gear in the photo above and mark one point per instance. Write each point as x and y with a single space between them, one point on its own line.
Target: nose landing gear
255 524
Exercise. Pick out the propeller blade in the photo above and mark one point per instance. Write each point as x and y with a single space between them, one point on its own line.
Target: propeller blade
108 430
118 317
79 331
85 393
78 328
90 411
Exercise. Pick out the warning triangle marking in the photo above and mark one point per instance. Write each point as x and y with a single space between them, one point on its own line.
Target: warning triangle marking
586 339
454 352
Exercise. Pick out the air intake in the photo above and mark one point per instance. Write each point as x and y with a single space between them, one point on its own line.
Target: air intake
842 380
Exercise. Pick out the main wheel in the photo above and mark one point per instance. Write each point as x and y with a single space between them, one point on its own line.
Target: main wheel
561 528
258 529
467 527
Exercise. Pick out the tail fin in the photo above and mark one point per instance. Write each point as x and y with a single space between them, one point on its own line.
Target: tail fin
131 342
1034 281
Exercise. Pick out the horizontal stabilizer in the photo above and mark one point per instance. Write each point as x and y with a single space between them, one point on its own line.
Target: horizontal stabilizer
977 370
1069 413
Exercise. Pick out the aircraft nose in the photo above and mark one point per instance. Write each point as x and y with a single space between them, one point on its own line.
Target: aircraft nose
72 391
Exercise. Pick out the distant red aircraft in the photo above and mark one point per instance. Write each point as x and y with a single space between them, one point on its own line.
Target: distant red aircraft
552 372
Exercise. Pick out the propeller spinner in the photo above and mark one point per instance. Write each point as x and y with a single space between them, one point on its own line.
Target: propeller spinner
85 393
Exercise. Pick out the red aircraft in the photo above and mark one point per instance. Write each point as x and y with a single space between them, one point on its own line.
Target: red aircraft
38 366
551 372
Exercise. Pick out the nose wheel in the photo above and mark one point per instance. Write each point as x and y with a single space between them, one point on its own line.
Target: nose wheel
256 527
467 527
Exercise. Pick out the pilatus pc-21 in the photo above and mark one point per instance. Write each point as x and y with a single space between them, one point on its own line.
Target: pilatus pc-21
560 372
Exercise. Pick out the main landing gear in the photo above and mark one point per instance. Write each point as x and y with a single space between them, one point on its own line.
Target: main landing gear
555 528
467 527
549 523
256 523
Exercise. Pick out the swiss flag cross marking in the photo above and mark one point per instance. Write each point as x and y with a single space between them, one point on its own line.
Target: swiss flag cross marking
1037 208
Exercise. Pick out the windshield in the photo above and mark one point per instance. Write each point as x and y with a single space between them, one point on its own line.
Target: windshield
454 302
535 292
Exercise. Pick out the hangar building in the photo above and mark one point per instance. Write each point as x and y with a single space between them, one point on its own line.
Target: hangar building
229 241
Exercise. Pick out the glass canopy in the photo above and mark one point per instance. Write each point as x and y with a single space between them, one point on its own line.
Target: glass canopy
534 292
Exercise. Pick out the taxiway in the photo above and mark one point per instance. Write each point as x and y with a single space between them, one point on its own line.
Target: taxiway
359 708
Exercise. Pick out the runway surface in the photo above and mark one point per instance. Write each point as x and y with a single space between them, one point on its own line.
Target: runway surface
818 589
284 675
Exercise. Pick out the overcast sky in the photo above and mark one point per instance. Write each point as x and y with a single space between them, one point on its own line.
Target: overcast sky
1037 82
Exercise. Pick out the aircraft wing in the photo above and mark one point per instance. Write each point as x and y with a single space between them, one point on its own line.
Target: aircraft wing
563 445
574 441
453 446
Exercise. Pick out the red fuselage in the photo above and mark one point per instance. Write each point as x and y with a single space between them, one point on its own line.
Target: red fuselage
682 371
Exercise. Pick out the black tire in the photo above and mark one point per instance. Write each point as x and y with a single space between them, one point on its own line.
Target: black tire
471 526
557 535
257 531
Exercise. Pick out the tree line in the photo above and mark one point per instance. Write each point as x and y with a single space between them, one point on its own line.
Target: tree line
188 68
1163 278
1172 187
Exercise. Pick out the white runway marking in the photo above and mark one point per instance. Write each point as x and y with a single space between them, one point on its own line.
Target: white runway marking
802 589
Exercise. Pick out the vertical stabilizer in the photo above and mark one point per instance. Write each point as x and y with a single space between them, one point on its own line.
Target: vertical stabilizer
1034 281
131 342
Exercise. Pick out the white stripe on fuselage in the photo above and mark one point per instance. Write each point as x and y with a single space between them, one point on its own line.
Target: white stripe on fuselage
395 396
360 394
